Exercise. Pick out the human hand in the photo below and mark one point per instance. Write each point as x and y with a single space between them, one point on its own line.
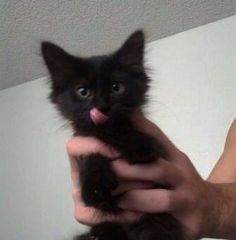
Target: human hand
78 146
188 198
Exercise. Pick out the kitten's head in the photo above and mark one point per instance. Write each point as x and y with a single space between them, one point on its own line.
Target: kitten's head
94 91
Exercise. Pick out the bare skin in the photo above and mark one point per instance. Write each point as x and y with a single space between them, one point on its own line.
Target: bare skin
225 169
205 208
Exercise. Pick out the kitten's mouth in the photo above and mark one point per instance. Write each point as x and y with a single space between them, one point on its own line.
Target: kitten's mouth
97 116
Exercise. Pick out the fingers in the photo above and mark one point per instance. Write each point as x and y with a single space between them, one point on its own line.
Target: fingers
147 201
160 172
151 129
77 146
125 186
138 178
84 214
90 216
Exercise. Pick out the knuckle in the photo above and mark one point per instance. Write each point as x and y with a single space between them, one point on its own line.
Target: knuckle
70 144
75 143
78 217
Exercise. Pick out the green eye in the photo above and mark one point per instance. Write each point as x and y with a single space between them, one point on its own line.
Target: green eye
83 92
118 88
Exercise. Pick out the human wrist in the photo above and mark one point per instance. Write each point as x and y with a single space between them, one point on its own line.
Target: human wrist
209 211
216 220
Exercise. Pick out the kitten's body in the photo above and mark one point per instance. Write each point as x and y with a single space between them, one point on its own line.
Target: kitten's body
98 96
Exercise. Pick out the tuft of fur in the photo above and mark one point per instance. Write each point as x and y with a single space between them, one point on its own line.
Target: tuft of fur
98 75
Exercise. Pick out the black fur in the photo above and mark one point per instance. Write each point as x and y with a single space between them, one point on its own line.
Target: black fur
98 74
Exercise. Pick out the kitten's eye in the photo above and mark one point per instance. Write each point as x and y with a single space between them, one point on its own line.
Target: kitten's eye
83 92
118 88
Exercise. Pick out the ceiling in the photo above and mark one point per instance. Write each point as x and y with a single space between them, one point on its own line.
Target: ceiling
89 27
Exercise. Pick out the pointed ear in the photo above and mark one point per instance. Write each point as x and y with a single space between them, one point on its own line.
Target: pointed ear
131 52
58 61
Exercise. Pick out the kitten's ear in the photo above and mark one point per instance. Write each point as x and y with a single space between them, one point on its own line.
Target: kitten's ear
131 52
58 61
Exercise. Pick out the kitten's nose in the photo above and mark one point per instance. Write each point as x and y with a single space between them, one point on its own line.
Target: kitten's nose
103 106
104 109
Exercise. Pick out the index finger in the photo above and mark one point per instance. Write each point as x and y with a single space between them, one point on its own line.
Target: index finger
79 145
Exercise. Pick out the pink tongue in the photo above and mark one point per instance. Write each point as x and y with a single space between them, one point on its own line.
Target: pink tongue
97 116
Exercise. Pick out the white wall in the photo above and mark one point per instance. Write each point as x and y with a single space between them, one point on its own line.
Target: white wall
193 100
90 27
35 183
194 94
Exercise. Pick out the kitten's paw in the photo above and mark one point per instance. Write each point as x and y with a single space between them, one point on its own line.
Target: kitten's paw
99 189
97 180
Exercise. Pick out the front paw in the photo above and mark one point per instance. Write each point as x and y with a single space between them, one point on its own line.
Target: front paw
97 180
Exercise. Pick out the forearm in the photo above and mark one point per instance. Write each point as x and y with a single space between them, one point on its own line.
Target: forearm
220 222
225 169
223 191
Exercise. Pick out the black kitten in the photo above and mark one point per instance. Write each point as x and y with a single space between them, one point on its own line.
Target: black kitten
98 95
